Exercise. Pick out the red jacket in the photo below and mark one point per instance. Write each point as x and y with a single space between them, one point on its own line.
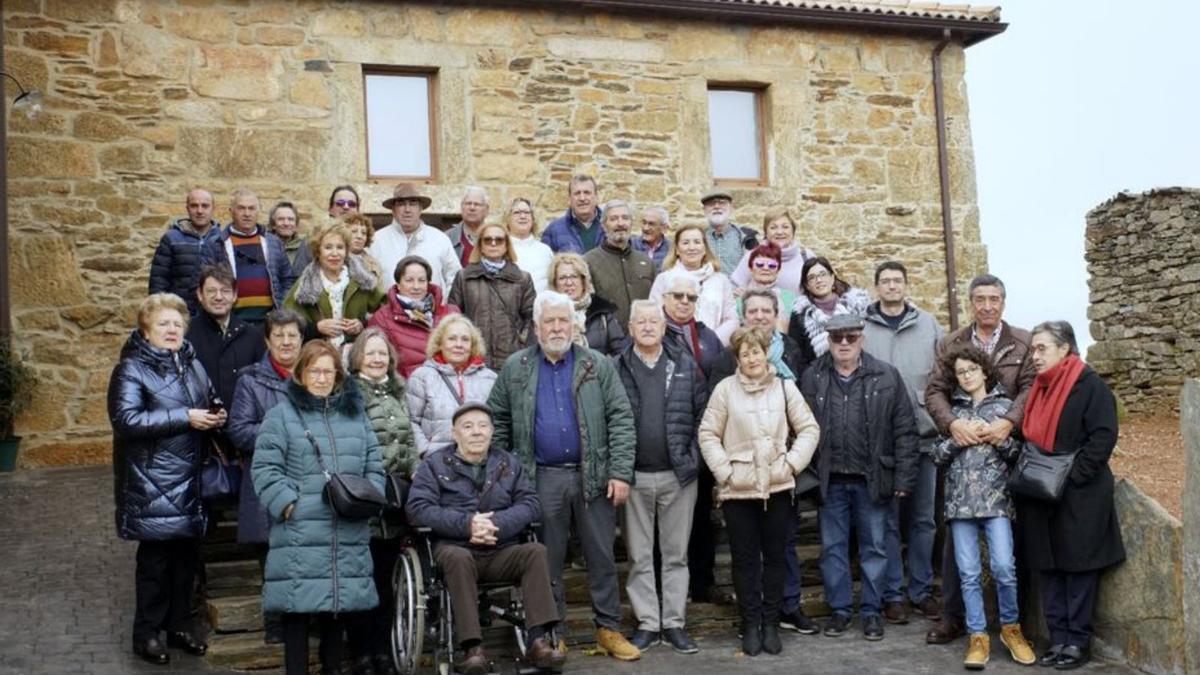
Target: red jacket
408 337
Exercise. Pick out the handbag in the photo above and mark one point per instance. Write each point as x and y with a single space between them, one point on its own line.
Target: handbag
807 480
219 478
351 496
1039 474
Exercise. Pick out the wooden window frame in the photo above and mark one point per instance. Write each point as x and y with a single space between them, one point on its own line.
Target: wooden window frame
759 90
431 77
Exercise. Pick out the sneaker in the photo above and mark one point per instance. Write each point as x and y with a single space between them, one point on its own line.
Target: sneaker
978 650
837 626
872 626
1018 646
644 639
799 622
614 644
929 608
895 612
680 641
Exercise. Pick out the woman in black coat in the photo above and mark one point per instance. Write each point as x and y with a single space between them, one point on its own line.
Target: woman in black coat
1071 541
158 403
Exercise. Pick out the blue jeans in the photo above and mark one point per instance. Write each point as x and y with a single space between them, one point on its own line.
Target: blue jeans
922 528
849 504
1004 568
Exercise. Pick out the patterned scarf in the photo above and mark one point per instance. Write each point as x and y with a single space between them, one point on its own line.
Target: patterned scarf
491 268
581 306
418 311
775 357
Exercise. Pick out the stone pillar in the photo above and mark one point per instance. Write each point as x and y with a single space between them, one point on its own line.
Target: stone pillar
1189 417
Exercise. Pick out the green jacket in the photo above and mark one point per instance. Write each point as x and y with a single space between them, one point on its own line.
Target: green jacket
605 419
308 296
387 409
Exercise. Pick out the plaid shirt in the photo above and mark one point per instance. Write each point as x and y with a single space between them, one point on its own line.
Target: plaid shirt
990 345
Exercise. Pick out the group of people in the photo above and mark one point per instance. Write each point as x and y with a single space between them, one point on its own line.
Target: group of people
498 372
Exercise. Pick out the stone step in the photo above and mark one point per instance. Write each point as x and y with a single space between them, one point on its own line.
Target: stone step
246 651
233 573
236 614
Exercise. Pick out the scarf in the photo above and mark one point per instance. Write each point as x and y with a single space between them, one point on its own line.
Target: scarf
829 304
581 307
694 337
491 268
775 357
336 290
418 311
282 372
1047 397
459 371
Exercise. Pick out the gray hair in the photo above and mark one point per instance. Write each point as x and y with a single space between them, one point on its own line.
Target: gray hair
658 211
243 192
760 293
617 204
477 190
646 304
358 349
986 280
1060 331
676 274
550 299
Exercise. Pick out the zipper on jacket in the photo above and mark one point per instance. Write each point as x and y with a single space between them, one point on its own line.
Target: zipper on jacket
334 558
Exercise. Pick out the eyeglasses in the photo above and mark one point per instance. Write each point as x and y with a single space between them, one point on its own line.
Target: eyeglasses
320 373
969 370
346 203
766 264
493 241
818 276
522 212
681 297
844 338
219 292
568 278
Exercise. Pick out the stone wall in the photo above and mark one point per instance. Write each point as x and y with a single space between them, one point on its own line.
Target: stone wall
147 98
1143 253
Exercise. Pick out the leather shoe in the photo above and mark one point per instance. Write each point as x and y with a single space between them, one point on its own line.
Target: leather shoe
543 656
872 626
1071 657
187 642
895 612
930 608
751 637
474 663
153 651
644 639
837 626
945 631
771 643
680 641
1050 656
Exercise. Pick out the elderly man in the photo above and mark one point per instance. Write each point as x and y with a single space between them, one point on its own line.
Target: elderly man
225 344
175 267
668 391
1009 348
463 236
728 241
656 222
899 333
478 501
256 258
579 230
620 274
407 235
561 409
867 458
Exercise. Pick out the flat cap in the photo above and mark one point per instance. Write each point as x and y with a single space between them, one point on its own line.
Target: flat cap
470 406
715 194
844 322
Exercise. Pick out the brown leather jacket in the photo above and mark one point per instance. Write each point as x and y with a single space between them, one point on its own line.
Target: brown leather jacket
1013 366
501 306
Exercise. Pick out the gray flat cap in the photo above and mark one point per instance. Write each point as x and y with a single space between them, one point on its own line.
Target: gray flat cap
844 322
470 406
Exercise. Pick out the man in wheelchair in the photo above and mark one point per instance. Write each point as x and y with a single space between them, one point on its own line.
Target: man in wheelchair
478 501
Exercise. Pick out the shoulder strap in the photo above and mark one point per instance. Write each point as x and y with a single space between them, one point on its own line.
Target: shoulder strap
450 386
316 446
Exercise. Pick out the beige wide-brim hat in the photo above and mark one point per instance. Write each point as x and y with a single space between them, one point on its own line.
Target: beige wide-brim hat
407 191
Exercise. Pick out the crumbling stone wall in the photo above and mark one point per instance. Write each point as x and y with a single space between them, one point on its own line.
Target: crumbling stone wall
1143 253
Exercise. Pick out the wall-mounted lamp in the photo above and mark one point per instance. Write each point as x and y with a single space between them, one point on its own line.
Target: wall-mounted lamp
29 100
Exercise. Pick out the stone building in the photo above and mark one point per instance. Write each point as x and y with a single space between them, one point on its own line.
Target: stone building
832 106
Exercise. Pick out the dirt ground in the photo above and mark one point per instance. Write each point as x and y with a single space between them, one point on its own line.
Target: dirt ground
1150 453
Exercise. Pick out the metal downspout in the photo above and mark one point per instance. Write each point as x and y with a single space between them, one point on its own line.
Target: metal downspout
939 108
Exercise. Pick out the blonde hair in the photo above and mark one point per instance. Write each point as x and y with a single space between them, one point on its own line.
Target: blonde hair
775 213
534 230
356 218
747 335
336 228
477 252
673 256
434 346
577 262
156 303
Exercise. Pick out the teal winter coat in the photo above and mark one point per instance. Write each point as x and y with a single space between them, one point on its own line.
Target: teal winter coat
318 561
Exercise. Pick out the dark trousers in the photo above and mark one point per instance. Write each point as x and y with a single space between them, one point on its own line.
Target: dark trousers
463 568
1068 601
952 599
702 546
369 633
758 533
164 579
295 642
792 585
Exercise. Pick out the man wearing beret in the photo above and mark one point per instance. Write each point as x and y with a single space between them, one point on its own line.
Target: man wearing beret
728 242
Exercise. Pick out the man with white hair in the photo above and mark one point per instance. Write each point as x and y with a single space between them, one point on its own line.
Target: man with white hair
474 208
653 241
561 409
620 274
728 241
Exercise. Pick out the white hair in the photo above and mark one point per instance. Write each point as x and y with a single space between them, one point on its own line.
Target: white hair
617 204
658 211
483 195
549 299
677 274
646 304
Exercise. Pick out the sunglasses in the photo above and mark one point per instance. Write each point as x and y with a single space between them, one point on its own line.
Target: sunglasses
493 241
766 264
346 203
844 338
680 297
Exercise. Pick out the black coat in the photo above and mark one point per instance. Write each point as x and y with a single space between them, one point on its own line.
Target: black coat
225 356
1079 533
891 424
601 328
157 454
710 347
687 396
175 267
794 356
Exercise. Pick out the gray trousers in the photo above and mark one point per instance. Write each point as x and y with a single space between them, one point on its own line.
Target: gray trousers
560 490
658 494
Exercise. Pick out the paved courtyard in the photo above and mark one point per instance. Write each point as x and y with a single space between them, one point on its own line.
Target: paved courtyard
66 602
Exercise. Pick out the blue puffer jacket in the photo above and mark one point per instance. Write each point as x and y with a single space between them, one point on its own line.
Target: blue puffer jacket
157 455
175 267
318 561
444 496
562 234
258 389
220 252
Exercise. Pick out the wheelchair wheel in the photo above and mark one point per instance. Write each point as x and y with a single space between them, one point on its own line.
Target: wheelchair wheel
408 624
520 628
444 654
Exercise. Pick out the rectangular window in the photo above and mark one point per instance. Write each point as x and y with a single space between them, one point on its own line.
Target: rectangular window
401 124
735 133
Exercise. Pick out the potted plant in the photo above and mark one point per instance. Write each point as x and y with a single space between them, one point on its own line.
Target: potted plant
16 387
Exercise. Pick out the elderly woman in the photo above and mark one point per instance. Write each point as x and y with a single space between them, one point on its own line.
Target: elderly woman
533 257
496 295
715 306
779 229
336 292
319 563
977 502
765 262
824 295
453 374
284 222
373 364
1071 541
414 308
362 233
596 324
744 437
159 404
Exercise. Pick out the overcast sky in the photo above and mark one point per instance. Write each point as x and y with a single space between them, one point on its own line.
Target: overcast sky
1075 102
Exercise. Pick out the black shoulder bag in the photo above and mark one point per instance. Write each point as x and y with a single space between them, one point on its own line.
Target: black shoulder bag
352 496
1039 474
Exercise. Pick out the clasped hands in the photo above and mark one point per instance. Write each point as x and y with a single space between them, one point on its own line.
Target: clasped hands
484 529
973 432
336 327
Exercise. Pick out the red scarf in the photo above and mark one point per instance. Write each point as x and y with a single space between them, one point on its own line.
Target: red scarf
282 372
694 333
1046 400
459 370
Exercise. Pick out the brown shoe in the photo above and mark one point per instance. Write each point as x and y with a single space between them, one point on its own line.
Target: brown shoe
978 650
615 645
944 631
895 612
1018 646
475 662
542 655
929 608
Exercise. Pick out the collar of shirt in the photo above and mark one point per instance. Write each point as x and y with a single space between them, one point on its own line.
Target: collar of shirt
649 363
990 345
567 360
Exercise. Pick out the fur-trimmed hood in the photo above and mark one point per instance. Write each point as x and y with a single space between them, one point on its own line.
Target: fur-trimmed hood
309 287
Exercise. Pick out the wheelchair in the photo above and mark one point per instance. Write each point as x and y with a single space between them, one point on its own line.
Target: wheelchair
424 618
